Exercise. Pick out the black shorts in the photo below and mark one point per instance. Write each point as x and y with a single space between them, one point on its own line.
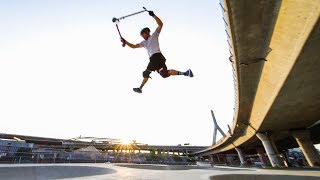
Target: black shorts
157 61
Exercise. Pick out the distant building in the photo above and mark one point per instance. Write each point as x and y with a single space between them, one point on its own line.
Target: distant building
10 146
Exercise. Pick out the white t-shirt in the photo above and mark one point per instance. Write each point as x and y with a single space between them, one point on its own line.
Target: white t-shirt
152 44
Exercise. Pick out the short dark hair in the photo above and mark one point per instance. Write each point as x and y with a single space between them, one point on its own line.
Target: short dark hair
145 30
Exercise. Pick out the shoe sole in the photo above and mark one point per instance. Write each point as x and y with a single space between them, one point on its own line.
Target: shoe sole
137 91
190 73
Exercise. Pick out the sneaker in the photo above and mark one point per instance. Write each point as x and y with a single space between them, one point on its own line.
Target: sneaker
189 73
137 90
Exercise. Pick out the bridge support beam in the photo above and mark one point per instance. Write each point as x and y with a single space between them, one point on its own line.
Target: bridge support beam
269 149
303 139
262 157
241 157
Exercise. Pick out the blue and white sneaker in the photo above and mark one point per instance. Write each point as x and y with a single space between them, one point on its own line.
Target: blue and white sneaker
189 73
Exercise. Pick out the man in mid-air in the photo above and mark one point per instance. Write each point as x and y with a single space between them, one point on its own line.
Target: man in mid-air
157 60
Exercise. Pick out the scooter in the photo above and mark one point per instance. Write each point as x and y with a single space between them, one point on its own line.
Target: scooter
117 20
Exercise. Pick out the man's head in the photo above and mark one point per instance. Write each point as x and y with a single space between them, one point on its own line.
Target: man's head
145 33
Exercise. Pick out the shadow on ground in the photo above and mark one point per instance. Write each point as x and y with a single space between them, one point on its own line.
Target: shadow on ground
176 167
51 172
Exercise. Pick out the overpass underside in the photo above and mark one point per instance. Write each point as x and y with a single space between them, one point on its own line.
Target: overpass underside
276 49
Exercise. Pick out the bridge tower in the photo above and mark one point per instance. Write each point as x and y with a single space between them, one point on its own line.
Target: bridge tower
215 129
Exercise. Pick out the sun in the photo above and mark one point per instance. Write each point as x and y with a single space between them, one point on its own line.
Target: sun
126 141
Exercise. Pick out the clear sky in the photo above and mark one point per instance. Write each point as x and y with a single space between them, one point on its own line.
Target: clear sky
64 73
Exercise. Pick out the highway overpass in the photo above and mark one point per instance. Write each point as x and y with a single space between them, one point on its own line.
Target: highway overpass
275 54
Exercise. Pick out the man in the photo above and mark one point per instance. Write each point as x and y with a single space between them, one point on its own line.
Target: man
157 60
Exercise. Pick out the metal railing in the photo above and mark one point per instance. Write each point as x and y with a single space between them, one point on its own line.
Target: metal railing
231 51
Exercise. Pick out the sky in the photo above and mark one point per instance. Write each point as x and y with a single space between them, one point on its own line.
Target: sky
64 73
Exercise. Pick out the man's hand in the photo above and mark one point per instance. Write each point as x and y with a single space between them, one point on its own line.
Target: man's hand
151 13
123 40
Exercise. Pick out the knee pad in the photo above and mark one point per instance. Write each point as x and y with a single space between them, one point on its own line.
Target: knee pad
164 72
146 74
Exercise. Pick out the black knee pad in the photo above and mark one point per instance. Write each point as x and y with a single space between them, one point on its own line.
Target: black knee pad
146 74
164 72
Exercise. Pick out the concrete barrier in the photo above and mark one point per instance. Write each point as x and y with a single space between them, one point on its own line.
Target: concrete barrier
262 177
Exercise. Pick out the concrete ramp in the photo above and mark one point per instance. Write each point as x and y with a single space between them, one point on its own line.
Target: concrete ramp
51 172
262 177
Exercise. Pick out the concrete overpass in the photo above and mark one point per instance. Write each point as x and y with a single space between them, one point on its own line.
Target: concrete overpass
275 47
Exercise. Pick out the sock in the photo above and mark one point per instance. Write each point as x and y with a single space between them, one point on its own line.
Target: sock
181 73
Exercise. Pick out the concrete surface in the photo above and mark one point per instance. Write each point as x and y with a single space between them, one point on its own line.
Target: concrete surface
141 172
261 177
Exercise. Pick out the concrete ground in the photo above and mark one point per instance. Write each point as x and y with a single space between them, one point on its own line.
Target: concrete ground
141 172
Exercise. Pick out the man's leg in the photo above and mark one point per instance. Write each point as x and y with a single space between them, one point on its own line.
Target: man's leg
172 72
144 81
146 76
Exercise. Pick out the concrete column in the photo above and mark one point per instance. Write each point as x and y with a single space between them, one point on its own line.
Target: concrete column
218 158
211 159
303 139
262 157
286 154
241 156
269 149
276 151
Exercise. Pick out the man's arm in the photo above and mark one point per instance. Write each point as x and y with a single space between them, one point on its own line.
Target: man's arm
158 20
130 45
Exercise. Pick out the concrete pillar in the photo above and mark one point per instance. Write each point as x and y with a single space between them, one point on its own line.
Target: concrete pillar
281 160
262 157
269 149
303 139
286 154
218 159
241 156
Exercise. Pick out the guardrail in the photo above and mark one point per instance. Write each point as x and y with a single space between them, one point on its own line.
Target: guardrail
231 51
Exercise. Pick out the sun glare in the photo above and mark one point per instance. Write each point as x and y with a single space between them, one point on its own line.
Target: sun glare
126 141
